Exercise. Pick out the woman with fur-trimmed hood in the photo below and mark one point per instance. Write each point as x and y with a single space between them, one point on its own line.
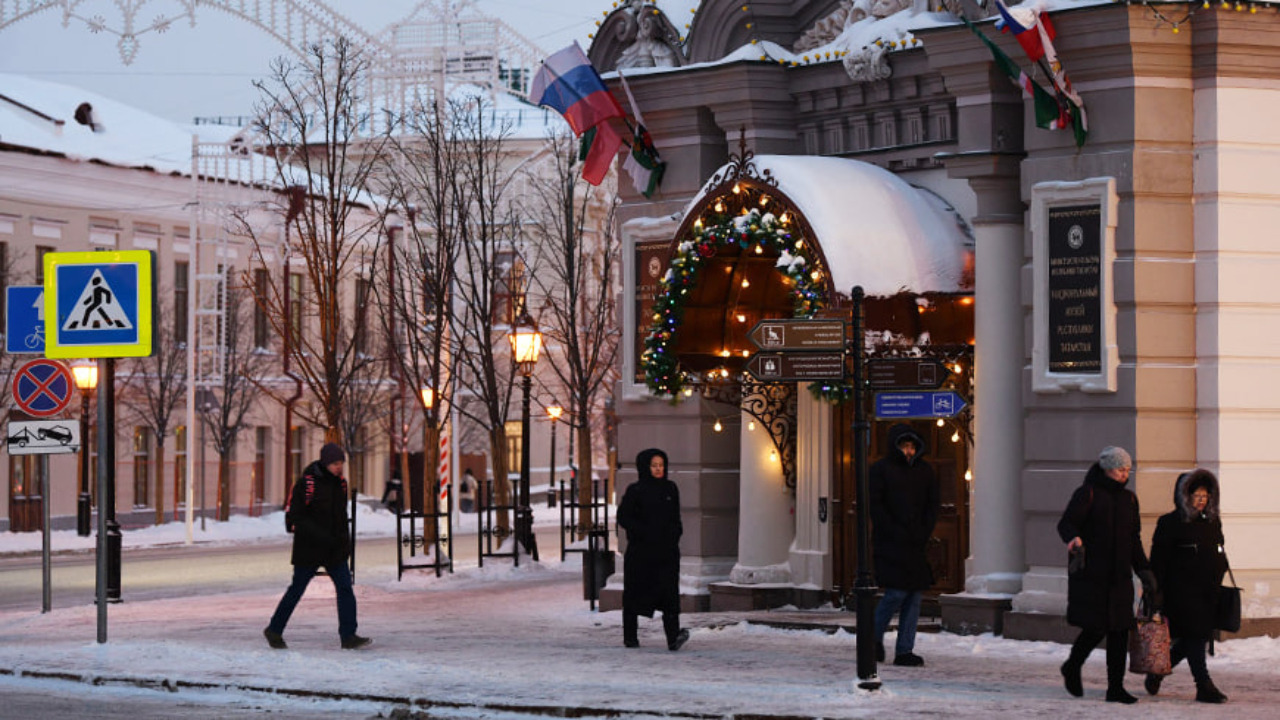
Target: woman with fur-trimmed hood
1189 561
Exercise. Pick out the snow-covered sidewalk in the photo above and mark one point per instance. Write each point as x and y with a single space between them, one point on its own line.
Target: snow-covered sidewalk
523 640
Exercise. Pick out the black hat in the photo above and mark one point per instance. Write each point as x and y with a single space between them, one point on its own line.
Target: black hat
332 453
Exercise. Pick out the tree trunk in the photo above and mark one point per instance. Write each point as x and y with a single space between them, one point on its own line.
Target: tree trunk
430 483
501 483
224 489
585 484
160 482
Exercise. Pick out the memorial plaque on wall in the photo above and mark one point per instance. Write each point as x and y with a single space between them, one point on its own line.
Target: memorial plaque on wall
1075 289
651 265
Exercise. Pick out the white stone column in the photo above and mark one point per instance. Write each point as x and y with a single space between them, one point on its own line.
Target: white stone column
997 559
766 524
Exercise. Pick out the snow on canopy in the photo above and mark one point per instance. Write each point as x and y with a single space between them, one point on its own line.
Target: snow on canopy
874 228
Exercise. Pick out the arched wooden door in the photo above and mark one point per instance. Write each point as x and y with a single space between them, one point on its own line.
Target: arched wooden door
949 324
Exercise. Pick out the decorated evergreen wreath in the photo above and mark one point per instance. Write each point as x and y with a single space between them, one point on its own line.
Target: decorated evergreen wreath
661 369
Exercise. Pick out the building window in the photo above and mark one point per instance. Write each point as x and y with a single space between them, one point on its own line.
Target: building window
41 251
295 310
355 462
261 442
181 298
295 453
508 289
4 284
27 474
141 466
179 468
513 447
261 328
360 334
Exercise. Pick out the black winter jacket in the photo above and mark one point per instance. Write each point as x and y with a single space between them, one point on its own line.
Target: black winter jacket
904 510
1188 558
650 513
1104 514
317 517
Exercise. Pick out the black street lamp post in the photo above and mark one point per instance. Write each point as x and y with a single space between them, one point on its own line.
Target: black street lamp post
85 373
553 412
526 342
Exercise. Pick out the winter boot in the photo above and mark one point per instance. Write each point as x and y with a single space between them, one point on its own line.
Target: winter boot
1152 683
1207 693
1071 678
1117 694
908 660
275 639
682 637
631 642
354 642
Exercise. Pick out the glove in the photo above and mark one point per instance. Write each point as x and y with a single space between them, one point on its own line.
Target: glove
1151 594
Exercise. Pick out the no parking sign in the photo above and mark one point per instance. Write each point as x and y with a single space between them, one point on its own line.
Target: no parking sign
42 387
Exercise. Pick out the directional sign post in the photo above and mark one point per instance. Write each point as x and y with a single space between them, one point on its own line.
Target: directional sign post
42 387
906 373
98 304
927 404
798 334
24 319
782 367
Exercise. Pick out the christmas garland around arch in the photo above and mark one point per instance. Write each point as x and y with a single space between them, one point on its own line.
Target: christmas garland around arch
661 368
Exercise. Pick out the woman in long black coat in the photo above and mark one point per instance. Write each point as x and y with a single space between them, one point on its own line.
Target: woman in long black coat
650 513
1102 522
1189 561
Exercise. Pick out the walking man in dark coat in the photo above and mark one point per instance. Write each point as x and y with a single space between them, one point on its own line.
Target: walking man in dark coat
904 510
316 514
1101 524
650 513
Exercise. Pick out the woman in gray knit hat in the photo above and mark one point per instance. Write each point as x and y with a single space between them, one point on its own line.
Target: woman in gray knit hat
1100 527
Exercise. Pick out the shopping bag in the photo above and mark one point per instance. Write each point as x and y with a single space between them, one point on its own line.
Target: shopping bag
1149 646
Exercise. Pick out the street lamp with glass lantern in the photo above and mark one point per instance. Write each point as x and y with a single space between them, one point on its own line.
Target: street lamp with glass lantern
85 374
428 471
554 412
526 342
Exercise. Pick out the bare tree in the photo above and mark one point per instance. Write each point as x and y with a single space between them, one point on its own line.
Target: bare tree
419 263
225 413
153 388
310 118
490 287
573 261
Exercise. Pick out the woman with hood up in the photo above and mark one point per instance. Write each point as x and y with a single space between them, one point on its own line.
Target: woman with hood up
1189 561
650 513
1101 525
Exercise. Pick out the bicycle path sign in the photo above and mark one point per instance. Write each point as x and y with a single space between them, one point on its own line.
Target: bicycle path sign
98 304
24 319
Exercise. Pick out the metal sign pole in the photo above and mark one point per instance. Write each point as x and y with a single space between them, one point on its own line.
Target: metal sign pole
103 438
864 585
45 501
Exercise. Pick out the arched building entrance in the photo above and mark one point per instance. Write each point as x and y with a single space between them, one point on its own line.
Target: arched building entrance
775 237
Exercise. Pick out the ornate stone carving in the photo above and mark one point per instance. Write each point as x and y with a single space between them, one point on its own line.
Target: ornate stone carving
826 30
650 44
868 64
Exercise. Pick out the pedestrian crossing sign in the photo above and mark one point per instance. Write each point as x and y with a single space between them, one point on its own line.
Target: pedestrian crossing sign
98 304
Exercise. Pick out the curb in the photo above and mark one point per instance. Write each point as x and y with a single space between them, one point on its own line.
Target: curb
409 704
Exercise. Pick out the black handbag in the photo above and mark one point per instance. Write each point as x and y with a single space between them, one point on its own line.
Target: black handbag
1227 614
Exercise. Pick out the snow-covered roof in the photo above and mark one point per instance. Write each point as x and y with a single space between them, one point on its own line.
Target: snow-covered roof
874 228
41 116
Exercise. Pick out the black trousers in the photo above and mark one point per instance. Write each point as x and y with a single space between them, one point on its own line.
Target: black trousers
1193 650
670 624
1117 653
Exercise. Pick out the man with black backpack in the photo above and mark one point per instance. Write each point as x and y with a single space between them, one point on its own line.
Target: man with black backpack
316 514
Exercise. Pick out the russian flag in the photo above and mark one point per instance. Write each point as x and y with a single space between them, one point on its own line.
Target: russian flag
568 84
1022 23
